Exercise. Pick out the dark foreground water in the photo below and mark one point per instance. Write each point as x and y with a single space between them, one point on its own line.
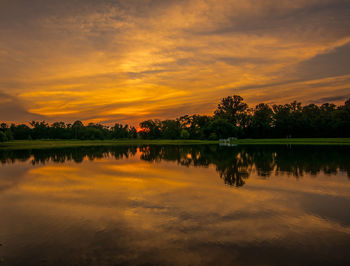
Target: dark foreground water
175 205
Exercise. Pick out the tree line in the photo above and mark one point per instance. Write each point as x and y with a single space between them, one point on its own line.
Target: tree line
232 118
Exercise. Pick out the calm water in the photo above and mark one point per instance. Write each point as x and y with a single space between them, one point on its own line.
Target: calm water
175 205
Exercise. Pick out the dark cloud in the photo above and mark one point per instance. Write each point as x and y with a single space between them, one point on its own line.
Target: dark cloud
273 17
333 99
236 61
334 63
11 109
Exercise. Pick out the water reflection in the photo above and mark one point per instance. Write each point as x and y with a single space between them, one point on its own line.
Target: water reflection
233 164
168 205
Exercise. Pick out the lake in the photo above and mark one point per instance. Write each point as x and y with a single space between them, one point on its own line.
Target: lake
175 205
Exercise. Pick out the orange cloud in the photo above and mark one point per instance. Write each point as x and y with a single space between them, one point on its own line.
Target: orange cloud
123 61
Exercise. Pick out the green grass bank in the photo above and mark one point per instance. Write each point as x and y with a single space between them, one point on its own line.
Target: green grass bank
45 144
296 141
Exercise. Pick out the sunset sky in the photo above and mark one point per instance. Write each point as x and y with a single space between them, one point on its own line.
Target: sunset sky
130 60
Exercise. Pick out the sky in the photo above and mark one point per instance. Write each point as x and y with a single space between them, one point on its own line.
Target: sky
126 61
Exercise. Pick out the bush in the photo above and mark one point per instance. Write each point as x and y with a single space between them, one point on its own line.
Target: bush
213 136
3 137
220 128
184 134
9 134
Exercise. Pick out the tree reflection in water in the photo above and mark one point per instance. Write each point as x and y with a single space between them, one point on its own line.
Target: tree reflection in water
233 164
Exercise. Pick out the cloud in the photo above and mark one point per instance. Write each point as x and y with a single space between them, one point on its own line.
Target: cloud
11 109
334 63
119 60
333 99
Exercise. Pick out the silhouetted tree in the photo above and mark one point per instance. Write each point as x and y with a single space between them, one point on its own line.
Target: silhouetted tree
220 128
184 134
3 137
58 131
40 130
3 127
231 118
77 129
194 124
119 131
132 133
233 109
150 129
21 132
170 129
262 121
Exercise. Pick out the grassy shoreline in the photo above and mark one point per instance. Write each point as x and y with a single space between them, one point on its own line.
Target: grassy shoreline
295 141
46 144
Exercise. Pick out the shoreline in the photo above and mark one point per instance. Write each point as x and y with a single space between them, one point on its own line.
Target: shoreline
294 141
46 144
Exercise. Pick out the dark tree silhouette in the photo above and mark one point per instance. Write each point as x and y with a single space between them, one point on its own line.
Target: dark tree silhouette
233 109
232 118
